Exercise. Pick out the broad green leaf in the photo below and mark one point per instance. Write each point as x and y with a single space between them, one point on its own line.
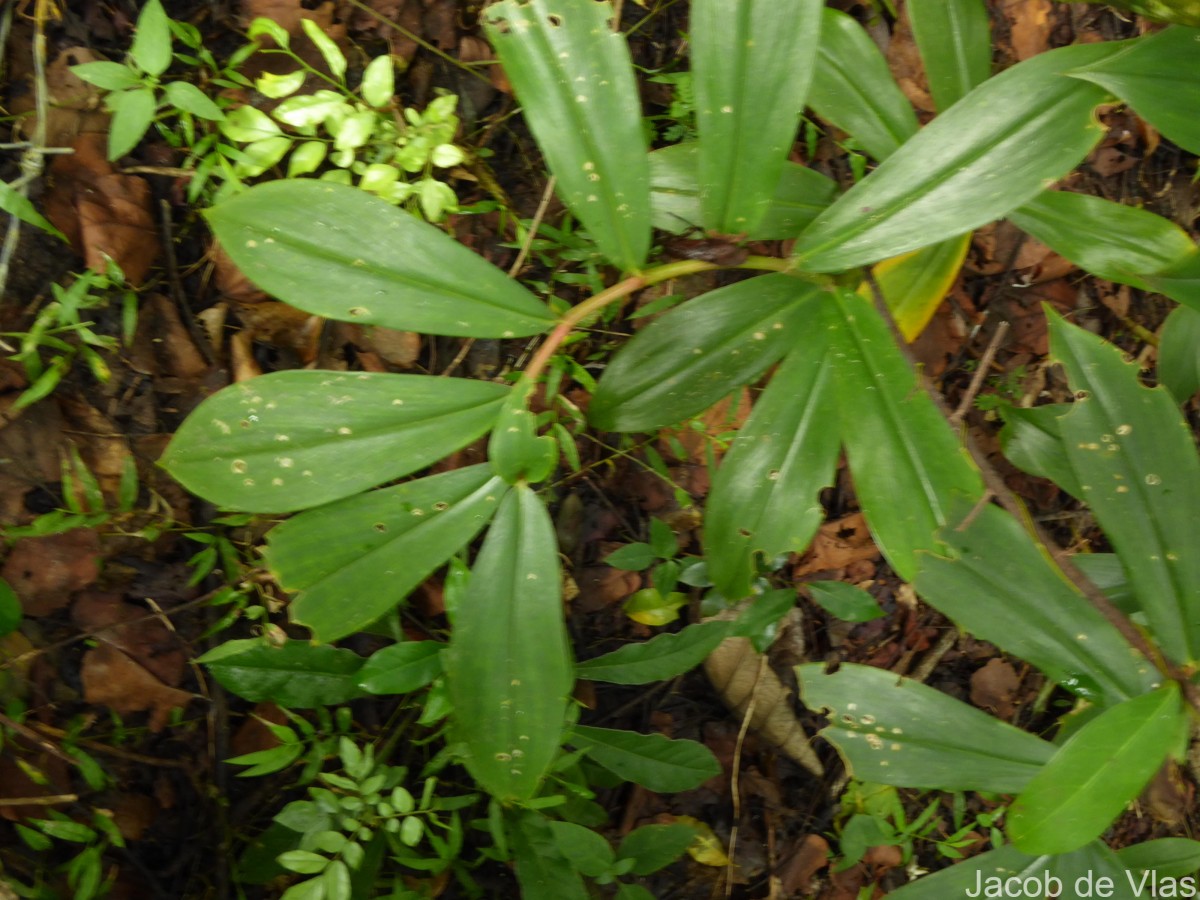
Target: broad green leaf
542 870
354 560
675 195
632 557
652 760
189 98
1032 441
334 58
914 284
765 498
1135 458
587 850
752 63
573 76
1000 586
16 204
659 658
515 450
898 731
1117 242
132 113
1169 857
1179 353
109 76
988 154
906 462
336 251
653 847
1100 769
956 46
151 50
1092 870
854 90
1105 571
1180 280
295 675
509 667
697 353
1159 76
847 602
379 81
290 440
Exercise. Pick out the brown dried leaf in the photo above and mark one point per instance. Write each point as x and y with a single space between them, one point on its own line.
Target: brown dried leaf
993 687
803 862
1031 26
112 679
838 544
44 571
738 674
147 641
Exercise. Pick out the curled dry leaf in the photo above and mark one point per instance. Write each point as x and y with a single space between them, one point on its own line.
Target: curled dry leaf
112 679
738 674
44 571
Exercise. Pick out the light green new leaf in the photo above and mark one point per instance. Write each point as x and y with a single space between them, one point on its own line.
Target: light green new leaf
659 658
907 465
765 498
974 163
573 76
109 76
515 450
1180 281
1159 76
956 46
847 602
1100 769
854 90
690 358
151 50
1032 441
16 204
284 441
186 96
1117 242
1136 462
915 284
654 761
1179 353
339 252
401 668
132 113
1000 586
295 675
509 667
675 195
897 731
354 560
752 63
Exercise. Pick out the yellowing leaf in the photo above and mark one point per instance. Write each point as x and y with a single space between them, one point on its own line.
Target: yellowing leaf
706 849
914 284
649 607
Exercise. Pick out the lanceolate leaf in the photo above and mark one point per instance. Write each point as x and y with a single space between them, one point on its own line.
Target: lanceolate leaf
340 252
1159 76
853 89
651 760
509 668
697 353
999 586
1136 461
1179 353
1032 440
574 79
290 440
354 560
915 283
296 675
659 658
897 731
1092 777
1117 242
765 497
974 163
907 465
752 63
402 667
955 44
1180 281
675 195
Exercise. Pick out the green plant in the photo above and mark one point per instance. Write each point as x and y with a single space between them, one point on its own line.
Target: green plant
60 320
315 441
136 95
84 871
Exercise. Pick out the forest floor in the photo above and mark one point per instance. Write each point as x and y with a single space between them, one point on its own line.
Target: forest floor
124 581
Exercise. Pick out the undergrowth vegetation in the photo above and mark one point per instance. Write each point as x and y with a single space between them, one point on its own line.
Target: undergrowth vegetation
358 461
